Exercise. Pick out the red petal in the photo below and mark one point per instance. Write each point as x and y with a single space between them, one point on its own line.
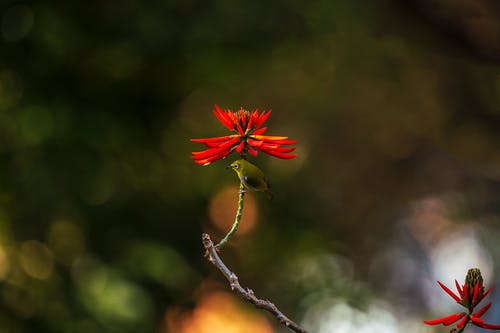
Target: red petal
459 289
279 155
215 155
253 118
260 131
204 162
240 129
479 322
482 310
262 118
255 143
233 117
226 146
463 322
476 292
222 146
284 149
285 142
449 292
282 140
277 147
213 140
452 320
465 299
243 118
270 146
448 320
231 142
252 151
250 121
199 155
240 147
223 118
269 137
485 294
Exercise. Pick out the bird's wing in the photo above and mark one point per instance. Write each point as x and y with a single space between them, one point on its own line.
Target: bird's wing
255 183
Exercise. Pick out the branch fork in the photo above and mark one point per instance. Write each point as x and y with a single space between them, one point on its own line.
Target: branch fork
246 293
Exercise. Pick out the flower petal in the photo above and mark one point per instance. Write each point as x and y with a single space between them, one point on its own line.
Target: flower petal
255 143
240 122
479 322
233 117
449 292
476 292
448 320
198 155
269 146
214 154
213 140
279 155
260 131
250 121
262 118
465 300
284 149
240 147
224 118
269 137
482 310
241 118
282 140
485 294
225 145
460 291
463 322
252 151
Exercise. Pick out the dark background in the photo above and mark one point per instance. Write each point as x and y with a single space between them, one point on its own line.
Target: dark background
396 109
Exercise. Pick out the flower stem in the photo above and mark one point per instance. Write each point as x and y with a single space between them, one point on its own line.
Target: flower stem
237 219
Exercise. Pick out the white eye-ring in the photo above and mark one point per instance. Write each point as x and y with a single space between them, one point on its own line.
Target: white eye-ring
236 166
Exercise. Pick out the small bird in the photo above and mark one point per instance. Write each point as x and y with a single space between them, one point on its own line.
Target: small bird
251 177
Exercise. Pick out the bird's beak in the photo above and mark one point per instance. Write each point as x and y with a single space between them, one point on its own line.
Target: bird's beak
228 167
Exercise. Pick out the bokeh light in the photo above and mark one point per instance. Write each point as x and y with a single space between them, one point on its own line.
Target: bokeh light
217 312
67 241
4 263
223 206
36 259
457 252
338 316
110 297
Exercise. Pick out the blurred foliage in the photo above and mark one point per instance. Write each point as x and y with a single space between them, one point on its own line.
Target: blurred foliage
396 107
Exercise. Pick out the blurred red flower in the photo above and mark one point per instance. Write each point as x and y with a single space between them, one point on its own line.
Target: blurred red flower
248 138
469 295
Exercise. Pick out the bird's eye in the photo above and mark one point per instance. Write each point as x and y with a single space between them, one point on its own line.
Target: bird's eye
236 166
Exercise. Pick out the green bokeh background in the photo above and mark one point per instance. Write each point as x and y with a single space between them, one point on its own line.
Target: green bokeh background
395 105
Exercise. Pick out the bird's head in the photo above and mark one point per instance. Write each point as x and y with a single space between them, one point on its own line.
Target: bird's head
238 166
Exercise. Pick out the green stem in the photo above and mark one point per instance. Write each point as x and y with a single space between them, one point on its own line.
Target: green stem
237 219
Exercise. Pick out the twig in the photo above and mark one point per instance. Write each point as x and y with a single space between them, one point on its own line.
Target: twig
237 218
246 293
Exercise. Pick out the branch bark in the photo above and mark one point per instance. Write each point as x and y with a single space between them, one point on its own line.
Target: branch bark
245 293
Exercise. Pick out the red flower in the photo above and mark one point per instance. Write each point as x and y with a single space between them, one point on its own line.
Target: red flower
248 137
469 295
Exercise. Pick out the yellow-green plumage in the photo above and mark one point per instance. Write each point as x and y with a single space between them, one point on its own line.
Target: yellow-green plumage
251 177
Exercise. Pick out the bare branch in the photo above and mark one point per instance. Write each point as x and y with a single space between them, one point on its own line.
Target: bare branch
245 293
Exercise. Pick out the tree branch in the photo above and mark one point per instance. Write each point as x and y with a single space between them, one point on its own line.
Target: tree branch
245 293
